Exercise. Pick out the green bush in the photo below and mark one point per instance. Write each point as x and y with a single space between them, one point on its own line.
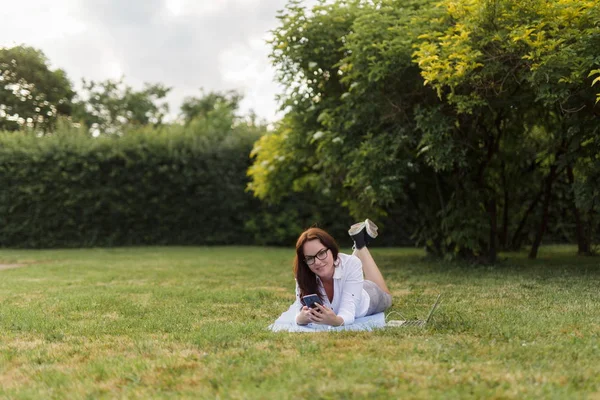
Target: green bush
171 186
177 185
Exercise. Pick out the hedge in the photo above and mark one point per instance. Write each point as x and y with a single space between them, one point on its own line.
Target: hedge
173 186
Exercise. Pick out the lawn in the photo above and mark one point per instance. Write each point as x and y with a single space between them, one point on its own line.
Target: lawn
190 322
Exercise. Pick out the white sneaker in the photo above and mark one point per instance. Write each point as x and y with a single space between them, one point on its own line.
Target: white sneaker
371 228
356 228
362 233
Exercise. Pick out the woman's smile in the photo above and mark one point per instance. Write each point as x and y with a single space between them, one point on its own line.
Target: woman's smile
324 269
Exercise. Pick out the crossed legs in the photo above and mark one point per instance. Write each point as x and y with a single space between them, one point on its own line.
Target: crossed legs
370 269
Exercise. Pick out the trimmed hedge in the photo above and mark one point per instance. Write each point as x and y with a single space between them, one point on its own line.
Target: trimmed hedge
147 187
179 185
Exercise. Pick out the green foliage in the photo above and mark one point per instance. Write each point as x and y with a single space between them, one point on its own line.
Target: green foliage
466 113
351 130
110 107
209 103
165 184
31 94
171 186
324 143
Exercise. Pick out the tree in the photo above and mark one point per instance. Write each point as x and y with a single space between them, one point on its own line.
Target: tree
435 111
201 107
110 106
353 95
563 52
31 94
524 64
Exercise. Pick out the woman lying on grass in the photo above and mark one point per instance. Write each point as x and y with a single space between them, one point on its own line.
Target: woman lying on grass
337 278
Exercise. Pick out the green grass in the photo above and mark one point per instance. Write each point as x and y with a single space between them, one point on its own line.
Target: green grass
191 323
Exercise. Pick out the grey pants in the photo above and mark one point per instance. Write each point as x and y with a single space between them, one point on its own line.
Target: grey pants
380 300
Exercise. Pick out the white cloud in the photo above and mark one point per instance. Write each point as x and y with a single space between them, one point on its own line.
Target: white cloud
38 23
246 66
196 8
184 44
175 7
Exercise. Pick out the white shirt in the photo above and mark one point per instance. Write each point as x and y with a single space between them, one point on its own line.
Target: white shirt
350 300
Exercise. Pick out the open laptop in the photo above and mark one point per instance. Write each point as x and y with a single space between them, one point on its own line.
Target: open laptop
416 322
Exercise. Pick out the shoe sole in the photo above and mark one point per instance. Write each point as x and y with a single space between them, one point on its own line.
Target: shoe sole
356 228
371 228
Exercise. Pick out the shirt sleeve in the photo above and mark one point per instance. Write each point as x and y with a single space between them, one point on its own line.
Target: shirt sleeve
352 288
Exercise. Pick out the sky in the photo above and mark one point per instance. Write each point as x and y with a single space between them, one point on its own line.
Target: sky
184 44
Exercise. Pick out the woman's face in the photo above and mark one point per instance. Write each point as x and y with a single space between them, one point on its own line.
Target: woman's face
314 250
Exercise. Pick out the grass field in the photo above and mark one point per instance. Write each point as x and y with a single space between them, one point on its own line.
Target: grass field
191 323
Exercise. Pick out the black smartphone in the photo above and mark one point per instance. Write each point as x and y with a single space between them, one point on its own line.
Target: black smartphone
310 300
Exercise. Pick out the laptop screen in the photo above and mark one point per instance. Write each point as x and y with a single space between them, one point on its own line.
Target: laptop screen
437 301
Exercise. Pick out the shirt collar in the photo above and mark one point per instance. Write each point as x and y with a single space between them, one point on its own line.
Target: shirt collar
337 273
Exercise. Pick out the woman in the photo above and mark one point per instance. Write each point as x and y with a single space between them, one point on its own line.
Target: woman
337 278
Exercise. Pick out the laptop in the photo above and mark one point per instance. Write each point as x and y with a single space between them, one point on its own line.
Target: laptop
416 322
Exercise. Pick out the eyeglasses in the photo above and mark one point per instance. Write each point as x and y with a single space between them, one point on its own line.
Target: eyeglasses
321 255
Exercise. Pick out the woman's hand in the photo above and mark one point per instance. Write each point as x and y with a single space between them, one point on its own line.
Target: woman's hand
323 315
303 318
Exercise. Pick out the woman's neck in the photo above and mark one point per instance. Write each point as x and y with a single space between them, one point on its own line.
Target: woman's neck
327 279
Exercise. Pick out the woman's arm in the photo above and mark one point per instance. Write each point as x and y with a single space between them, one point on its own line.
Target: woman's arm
352 289
325 315
301 314
303 318
319 315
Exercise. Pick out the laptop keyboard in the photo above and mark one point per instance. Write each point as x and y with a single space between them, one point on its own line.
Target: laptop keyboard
406 323
414 323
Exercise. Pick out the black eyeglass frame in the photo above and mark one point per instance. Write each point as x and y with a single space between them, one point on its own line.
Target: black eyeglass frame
312 259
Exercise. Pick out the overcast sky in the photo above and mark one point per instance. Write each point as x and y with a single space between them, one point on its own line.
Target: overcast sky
185 44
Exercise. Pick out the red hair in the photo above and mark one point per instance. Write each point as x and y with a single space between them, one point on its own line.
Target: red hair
307 279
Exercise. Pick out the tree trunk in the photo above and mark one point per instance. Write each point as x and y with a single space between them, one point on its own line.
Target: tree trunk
545 211
515 243
493 248
583 245
504 234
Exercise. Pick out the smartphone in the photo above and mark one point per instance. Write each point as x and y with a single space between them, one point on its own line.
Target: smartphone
311 300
